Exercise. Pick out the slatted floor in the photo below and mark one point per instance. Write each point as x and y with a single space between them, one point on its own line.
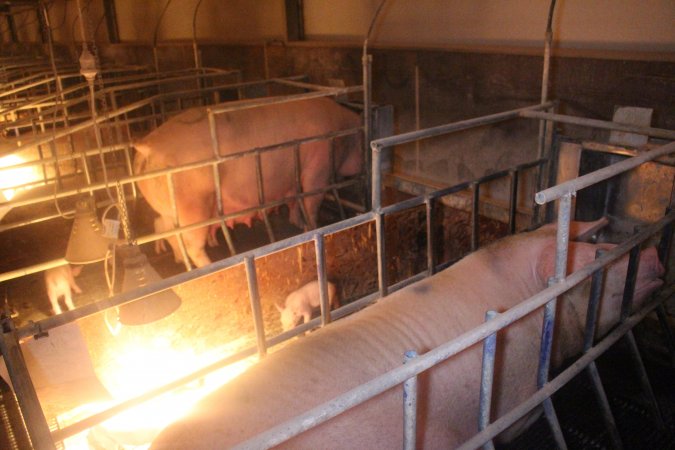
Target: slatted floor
580 416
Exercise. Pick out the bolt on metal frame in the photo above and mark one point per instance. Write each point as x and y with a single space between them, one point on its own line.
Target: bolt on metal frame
413 366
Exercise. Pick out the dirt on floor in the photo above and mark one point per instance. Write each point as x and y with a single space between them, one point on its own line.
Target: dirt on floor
215 317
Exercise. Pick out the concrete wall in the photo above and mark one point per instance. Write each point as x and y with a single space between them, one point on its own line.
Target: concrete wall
453 85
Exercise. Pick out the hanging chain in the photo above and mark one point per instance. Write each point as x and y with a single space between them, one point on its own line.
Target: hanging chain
124 214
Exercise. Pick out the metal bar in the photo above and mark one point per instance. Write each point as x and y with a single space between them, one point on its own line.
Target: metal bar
667 333
542 375
382 278
410 406
631 281
592 371
470 338
176 223
25 391
213 130
254 103
111 21
171 170
475 210
513 200
175 231
376 188
602 124
454 126
593 304
261 196
558 382
601 396
572 186
323 280
430 208
297 171
629 338
562 242
563 237
256 309
486 381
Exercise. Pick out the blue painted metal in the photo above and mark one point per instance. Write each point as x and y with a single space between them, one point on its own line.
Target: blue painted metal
592 370
410 406
486 380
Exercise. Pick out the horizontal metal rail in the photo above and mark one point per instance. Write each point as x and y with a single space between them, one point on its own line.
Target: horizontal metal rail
254 103
602 124
378 145
404 138
564 377
110 89
394 377
572 186
48 323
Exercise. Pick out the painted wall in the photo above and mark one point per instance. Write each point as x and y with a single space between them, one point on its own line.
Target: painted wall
229 21
643 25
624 25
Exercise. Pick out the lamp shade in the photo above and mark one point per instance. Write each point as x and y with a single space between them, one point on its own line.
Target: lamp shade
87 244
138 273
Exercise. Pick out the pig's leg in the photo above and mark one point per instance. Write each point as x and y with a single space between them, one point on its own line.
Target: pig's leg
315 175
195 242
54 300
68 299
75 287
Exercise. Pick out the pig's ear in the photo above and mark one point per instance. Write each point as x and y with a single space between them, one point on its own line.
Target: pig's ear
142 148
279 308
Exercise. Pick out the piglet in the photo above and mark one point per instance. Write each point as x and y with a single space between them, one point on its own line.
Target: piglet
59 282
300 303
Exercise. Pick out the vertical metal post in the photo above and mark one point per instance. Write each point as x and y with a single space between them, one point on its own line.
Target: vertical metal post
120 137
323 281
562 242
367 61
626 307
431 239
376 171
644 379
298 187
12 28
545 127
631 280
216 179
176 223
591 369
25 391
111 21
513 200
475 209
409 406
333 171
261 196
381 255
252 279
486 380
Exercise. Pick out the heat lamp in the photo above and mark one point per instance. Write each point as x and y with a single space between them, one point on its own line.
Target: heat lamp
139 273
87 243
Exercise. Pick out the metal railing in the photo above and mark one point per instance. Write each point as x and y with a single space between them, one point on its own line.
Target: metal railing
213 163
415 365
